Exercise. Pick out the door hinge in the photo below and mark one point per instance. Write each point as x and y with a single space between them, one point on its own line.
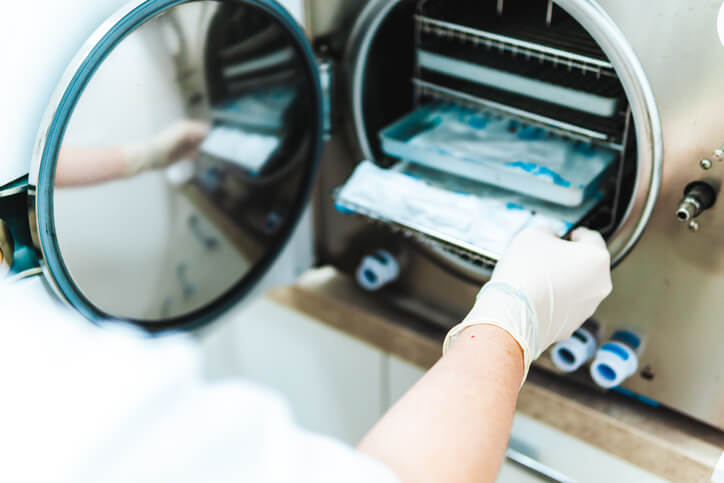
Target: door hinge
19 256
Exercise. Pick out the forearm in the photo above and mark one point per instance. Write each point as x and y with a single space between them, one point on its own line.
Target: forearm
454 424
89 166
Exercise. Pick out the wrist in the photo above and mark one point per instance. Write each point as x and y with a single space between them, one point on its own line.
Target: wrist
507 308
477 346
474 333
139 157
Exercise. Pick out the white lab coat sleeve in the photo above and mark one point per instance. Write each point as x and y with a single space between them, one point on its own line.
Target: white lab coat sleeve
84 404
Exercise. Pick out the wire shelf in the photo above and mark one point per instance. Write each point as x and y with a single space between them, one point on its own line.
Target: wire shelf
530 50
563 47
556 126
434 240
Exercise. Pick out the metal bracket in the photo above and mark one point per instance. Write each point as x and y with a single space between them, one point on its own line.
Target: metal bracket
326 78
20 258
7 249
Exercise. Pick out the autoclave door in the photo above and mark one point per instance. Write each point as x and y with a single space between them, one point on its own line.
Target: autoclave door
173 162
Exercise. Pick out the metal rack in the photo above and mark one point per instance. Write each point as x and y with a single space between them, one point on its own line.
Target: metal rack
528 51
426 88
620 174
556 126
425 236
563 121
515 46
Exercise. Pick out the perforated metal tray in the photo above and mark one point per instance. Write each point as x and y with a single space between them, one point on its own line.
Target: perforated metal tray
465 216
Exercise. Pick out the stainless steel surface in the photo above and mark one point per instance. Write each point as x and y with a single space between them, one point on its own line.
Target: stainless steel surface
324 17
13 189
668 280
527 49
698 197
705 164
689 208
118 240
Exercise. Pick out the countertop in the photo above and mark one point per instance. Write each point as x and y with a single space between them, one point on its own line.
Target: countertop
657 440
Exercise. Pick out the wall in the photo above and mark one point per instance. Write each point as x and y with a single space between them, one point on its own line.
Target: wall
36 48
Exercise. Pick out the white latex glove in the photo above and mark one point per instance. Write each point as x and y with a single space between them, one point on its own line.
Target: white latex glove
178 141
543 289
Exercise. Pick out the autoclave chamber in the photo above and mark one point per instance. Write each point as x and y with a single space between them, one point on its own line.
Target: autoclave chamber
578 81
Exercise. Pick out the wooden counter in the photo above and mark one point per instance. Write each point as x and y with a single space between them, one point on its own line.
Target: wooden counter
657 440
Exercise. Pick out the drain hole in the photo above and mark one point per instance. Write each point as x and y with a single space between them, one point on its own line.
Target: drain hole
607 372
567 356
370 276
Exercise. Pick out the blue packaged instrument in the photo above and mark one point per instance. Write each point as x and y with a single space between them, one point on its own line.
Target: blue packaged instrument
499 151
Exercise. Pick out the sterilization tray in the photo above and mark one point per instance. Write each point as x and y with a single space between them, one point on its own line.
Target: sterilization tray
262 110
498 151
478 218
250 151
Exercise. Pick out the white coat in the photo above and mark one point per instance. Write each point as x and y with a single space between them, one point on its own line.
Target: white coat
85 404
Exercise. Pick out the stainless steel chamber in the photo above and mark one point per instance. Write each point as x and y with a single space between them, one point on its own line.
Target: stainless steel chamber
658 64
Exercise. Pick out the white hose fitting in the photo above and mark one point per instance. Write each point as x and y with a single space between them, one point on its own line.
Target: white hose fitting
569 355
377 270
615 362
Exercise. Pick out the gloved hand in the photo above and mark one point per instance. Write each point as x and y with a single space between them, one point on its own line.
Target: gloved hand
178 141
543 289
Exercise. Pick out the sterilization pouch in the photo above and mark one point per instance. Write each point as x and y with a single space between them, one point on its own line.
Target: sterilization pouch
479 218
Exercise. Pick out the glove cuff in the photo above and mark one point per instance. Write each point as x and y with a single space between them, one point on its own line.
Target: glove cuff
504 306
140 157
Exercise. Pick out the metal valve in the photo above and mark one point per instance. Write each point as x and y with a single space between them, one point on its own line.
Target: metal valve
698 197
719 153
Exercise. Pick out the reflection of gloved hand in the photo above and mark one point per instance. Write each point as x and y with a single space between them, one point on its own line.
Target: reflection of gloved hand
543 289
178 141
